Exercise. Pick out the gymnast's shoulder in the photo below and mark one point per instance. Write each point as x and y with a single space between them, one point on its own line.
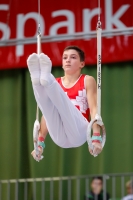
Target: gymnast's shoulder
90 81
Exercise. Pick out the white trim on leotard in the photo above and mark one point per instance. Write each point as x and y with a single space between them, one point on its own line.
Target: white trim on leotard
72 85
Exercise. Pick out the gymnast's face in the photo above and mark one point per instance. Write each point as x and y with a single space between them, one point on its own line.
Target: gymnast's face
71 61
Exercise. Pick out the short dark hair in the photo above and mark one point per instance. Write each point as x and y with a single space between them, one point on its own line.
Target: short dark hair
97 177
80 51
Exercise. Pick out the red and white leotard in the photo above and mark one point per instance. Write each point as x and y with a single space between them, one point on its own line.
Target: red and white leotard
65 110
77 95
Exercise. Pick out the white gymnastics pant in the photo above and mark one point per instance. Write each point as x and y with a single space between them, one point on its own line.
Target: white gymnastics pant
66 124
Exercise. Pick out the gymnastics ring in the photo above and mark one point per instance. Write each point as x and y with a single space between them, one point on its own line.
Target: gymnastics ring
99 121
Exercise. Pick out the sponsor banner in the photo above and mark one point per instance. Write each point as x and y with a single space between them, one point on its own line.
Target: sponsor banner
19 21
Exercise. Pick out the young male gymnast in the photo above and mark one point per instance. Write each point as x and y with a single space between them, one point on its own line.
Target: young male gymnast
66 103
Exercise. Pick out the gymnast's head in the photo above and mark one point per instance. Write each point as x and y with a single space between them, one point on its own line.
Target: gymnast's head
73 59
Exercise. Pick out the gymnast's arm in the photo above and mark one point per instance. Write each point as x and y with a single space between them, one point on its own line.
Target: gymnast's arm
43 128
91 90
42 134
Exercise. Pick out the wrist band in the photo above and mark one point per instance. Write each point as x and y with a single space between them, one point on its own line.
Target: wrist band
96 134
41 139
96 138
96 141
41 142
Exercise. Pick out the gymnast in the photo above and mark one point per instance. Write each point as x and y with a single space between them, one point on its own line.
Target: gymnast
67 103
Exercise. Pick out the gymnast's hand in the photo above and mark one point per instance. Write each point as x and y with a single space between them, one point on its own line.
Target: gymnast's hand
38 138
38 156
97 148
